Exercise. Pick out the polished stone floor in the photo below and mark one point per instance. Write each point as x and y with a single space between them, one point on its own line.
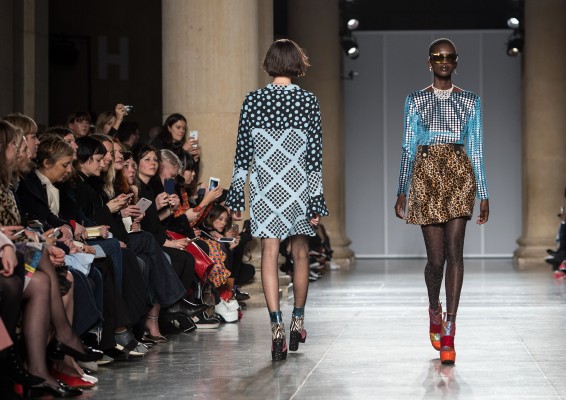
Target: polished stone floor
368 340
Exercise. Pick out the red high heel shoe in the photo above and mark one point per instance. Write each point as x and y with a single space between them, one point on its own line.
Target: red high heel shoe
447 350
298 333
435 329
278 342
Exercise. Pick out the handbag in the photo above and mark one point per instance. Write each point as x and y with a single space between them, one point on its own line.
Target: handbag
203 263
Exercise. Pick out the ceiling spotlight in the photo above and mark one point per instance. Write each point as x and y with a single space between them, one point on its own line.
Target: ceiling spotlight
350 46
353 24
513 23
514 46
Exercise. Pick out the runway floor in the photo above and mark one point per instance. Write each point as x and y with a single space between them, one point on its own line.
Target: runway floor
368 339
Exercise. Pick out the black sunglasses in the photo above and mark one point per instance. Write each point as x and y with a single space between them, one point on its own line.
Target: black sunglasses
438 58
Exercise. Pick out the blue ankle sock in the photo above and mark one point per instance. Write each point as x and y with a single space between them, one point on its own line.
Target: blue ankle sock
298 311
276 317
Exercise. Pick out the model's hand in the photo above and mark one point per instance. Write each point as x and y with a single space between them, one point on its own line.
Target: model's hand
314 221
237 215
484 212
400 206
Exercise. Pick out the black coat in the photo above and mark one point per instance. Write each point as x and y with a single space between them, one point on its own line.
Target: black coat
32 196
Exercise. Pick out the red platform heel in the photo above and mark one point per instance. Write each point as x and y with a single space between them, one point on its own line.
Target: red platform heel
447 350
435 329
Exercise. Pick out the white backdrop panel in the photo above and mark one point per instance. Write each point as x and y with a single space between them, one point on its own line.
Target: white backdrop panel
391 65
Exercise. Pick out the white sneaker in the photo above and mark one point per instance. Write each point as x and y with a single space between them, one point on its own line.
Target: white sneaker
333 266
224 310
232 305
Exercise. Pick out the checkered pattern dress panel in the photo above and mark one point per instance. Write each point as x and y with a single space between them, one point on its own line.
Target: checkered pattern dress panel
430 120
280 140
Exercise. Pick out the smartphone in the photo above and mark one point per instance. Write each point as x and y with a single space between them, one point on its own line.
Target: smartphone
144 204
169 185
35 225
18 233
56 233
226 240
213 183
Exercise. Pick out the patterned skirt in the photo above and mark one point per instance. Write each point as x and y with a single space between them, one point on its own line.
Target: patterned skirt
443 185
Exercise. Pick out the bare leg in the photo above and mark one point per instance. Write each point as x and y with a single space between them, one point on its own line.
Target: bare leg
454 239
435 252
151 324
269 274
300 252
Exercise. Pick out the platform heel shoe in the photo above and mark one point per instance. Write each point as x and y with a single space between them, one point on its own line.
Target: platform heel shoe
447 350
298 333
435 330
278 342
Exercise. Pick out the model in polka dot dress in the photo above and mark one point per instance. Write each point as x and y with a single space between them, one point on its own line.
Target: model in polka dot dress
280 138
280 141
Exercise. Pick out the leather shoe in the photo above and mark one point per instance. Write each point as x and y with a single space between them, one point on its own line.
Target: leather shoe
57 350
185 307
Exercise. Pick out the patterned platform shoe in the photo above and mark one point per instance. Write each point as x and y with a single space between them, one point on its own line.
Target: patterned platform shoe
298 333
435 330
278 342
447 350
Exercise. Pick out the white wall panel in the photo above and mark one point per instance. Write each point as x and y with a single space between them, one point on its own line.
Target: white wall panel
391 65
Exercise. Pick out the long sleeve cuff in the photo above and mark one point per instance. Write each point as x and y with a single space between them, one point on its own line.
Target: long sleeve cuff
317 206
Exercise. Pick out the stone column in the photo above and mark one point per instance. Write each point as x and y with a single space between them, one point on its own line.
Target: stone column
211 59
314 25
30 59
210 62
544 128
6 61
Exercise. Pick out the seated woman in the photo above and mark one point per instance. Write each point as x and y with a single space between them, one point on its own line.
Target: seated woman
165 288
44 305
173 136
108 122
146 157
217 225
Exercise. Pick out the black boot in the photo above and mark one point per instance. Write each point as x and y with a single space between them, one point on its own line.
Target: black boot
14 369
184 307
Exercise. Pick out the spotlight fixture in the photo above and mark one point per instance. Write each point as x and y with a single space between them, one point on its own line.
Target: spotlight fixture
353 24
350 46
513 23
514 46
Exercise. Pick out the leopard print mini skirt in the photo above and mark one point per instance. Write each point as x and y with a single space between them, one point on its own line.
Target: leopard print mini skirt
443 185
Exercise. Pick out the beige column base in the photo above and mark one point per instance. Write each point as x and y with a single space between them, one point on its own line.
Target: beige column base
531 252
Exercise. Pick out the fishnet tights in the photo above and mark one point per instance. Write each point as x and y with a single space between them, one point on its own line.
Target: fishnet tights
445 243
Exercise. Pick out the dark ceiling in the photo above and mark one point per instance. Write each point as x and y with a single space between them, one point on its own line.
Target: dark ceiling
379 15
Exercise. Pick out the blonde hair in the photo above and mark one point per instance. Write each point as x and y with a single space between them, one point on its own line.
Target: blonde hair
173 159
24 125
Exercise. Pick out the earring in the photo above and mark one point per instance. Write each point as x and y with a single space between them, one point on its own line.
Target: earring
430 69
455 72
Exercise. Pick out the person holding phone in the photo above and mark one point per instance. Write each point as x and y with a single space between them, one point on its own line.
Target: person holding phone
442 169
282 144
173 136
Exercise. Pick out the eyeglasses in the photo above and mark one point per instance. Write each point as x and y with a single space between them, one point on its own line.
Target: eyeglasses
438 58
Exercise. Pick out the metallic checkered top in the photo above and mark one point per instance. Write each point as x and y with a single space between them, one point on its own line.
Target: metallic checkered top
430 120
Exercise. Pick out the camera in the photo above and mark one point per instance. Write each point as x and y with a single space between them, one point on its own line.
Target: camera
129 109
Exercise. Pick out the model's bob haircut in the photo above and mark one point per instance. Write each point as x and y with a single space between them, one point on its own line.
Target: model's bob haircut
285 58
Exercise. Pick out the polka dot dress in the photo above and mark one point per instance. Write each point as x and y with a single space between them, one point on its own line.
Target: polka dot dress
280 139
